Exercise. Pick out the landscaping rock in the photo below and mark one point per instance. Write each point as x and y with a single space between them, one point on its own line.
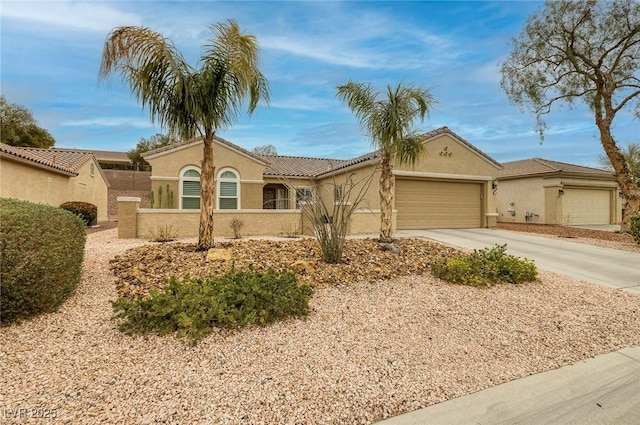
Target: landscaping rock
219 254
302 266
362 260
391 247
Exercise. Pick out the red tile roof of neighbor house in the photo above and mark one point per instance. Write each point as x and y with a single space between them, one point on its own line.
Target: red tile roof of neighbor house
103 156
66 161
540 166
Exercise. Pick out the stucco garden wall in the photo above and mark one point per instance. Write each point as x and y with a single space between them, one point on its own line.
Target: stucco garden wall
135 222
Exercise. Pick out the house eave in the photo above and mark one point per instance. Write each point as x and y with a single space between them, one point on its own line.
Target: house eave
35 164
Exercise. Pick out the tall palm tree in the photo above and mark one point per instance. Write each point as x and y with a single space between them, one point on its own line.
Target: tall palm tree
389 122
190 102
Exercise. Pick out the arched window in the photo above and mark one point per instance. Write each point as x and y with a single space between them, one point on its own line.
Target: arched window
190 189
228 190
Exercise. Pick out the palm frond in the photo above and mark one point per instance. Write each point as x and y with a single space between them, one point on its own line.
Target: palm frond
153 68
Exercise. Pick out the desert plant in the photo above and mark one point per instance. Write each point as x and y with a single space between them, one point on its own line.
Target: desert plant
160 197
485 267
162 233
42 249
151 198
289 231
169 197
634 227
236 225
330 211
85 210
193 307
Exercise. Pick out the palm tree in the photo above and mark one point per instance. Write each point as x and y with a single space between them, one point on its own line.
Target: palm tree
190 102
389 122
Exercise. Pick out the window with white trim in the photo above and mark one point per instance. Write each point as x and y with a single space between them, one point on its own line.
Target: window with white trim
228 190
304 194
190 189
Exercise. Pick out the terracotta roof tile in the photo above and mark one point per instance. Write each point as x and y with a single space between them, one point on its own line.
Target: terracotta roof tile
536 166
297 166
60 159
103 155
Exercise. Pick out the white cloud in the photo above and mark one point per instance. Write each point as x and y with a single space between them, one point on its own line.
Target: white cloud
74 15
108 122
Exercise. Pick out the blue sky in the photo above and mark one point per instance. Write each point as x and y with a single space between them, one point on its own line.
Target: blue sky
51 52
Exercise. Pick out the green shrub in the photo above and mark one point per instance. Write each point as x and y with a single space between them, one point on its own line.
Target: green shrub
193 307
634 227
86 211
485 267
41 259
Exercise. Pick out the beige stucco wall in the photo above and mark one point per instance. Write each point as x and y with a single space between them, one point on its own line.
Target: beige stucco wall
444 154
527 195
539 195
29 183
170 165
186 223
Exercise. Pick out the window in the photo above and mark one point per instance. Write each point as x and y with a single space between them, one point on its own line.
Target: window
338 193
228 193
190 189
303 194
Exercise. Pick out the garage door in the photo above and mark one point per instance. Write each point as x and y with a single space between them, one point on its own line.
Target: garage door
586 206
438 205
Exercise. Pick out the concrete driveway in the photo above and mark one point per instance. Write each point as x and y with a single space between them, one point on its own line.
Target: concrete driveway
604 266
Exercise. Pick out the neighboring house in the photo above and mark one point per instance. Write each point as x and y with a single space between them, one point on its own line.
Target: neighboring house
451 186
52 177
549 192
125 178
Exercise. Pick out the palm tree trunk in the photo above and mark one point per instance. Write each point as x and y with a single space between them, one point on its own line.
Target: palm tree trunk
630 190
386 199
207 198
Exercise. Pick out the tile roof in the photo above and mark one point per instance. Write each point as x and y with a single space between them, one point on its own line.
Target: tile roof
112 156
66 161
540 166
297 166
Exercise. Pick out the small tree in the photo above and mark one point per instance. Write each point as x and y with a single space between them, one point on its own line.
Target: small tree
587 51
330 211
389 118
265 150
190 101
156 141
19 128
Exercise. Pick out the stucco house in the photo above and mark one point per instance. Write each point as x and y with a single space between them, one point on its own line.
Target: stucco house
52 177
542 191
451 186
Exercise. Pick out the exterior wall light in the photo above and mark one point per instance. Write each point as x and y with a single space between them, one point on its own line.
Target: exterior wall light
620 194
560 192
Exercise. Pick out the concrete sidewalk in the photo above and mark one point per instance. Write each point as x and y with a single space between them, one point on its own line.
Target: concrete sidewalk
604 390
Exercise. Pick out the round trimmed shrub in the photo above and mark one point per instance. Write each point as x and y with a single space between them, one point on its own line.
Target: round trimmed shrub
85 210
42 249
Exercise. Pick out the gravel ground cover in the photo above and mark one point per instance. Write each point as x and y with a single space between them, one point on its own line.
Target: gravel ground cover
614 240
368 350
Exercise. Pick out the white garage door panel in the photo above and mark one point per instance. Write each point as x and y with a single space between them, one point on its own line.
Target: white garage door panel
438 205
586 206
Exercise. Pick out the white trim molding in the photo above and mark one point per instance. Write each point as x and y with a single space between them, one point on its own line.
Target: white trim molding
164 179
442 176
